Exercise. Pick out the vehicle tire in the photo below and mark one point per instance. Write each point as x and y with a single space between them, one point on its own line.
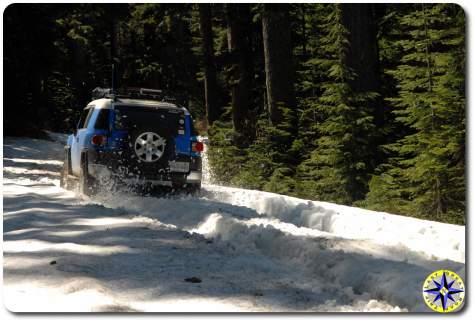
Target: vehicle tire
87 184
65 171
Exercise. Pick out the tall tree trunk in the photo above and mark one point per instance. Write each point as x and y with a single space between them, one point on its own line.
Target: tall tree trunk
239 21
79 74
278 60
304 32
114 47
213 111
362 56
116 13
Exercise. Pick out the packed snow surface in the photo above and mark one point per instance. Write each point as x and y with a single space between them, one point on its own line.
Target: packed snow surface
249 250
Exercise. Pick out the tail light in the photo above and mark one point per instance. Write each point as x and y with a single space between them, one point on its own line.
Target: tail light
197 146
99 140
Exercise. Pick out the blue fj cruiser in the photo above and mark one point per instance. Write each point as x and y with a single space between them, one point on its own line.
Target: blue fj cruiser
135 138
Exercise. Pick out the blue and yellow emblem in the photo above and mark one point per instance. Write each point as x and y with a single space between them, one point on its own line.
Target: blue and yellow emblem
443 291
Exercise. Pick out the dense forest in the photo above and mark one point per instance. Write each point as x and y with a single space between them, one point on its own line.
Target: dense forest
359 104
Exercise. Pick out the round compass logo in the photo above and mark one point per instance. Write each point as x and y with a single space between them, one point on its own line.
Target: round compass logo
443 291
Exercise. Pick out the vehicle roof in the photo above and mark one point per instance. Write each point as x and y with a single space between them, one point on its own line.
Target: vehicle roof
106 103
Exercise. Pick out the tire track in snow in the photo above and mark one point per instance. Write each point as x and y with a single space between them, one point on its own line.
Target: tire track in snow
364 267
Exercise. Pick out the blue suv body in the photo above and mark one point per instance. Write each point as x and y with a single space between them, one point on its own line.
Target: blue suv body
135 141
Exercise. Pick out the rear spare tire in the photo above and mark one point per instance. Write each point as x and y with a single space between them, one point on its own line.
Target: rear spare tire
147 152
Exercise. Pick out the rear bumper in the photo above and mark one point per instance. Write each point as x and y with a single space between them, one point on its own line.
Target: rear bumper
194 177
102 164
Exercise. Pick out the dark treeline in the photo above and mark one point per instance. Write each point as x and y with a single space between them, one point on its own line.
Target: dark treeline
359 104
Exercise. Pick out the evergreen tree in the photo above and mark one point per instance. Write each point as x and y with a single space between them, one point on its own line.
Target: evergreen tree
338 169
213 111
239 72
310 76
278 60
427 175
275 141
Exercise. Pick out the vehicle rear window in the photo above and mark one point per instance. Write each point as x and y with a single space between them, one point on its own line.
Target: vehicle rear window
102 122
129 117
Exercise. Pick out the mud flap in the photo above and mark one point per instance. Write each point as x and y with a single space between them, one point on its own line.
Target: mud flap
178 180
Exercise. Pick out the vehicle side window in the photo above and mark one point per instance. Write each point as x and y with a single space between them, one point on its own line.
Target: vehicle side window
88 118
119 120
83 117
102 121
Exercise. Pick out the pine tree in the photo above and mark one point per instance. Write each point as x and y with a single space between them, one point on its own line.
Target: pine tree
426 176
278 60
239 23
310 75
225 158
277 136
338 168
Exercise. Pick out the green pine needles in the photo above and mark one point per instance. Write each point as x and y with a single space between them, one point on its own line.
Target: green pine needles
400 148
425 177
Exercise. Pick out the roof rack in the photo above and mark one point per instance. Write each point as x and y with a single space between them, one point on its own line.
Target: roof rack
138 92
131 92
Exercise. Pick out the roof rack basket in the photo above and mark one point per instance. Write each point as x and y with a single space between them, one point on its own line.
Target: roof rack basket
139 92
129 92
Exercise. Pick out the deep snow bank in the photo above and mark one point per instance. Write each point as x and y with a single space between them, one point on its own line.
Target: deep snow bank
389 273
370 255
435 240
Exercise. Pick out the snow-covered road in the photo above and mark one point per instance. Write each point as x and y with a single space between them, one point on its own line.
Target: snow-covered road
251 250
